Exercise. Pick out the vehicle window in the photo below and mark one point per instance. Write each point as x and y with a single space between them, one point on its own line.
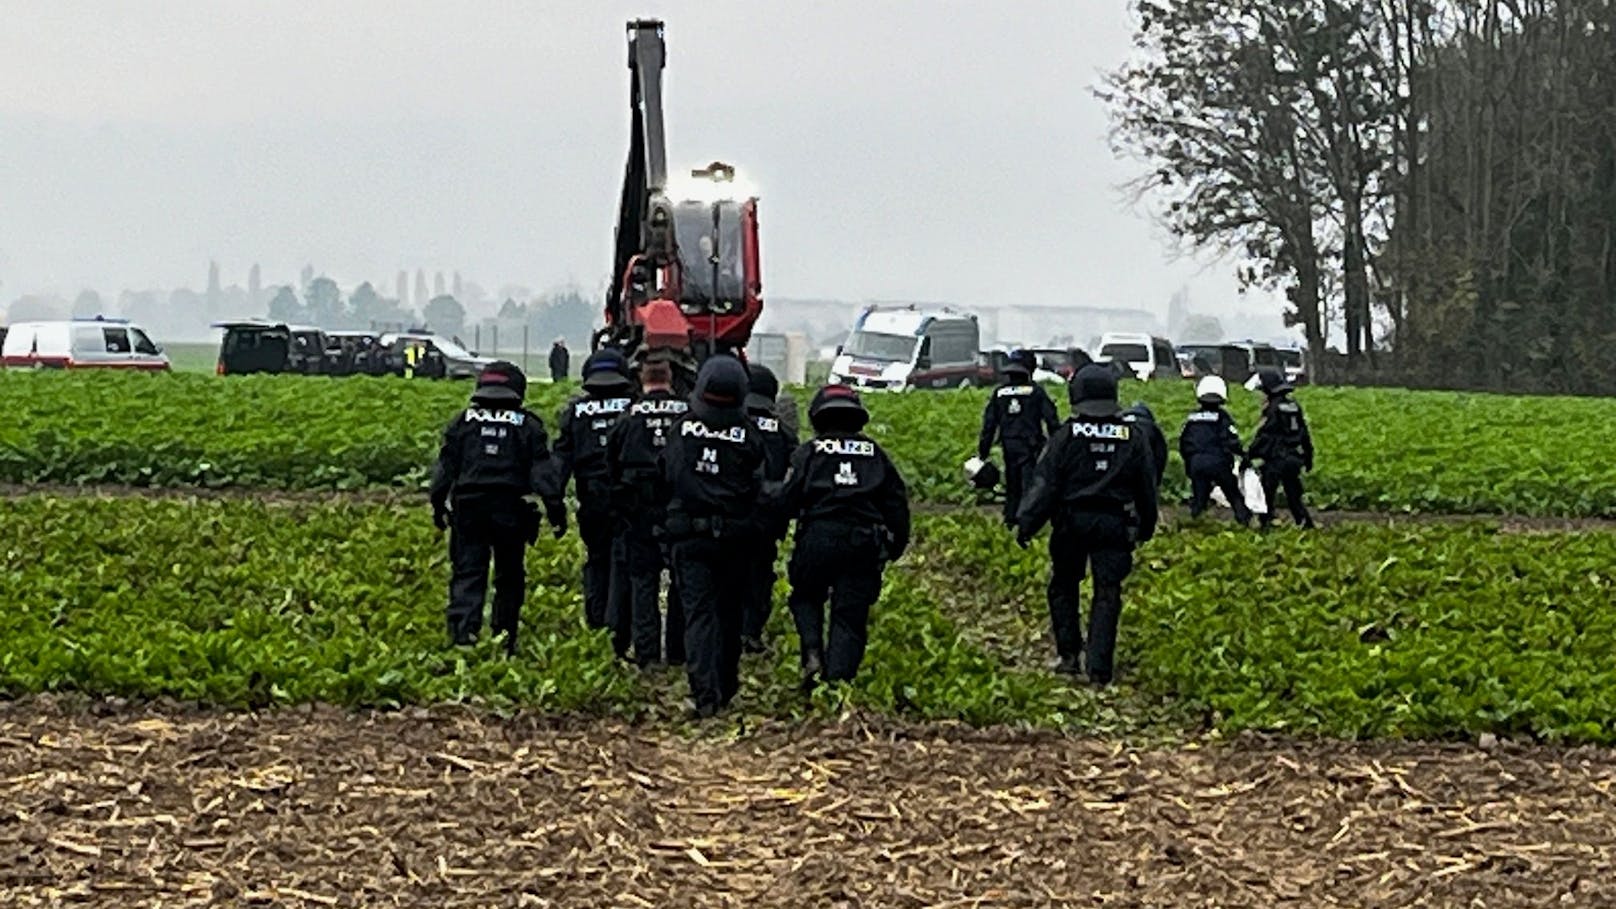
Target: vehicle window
1291 358
116 340
449 348
1266 356
874 345
143 344
89 339
952 343
1125 353
1166 362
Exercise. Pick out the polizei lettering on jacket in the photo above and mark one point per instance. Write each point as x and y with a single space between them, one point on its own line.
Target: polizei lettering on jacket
484 415
595 407
1013 391
692 428
858 448
670 407
1116 431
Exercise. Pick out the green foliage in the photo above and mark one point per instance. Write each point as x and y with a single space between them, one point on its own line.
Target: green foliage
1379 450
1362 631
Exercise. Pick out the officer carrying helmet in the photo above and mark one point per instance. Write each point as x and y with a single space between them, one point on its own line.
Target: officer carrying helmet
493 454
1020 416
633 454
1283 447
852 514
1210 445
1095 469
778 444
585 424
712 476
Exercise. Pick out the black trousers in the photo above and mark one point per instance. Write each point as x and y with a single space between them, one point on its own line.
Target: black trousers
1018 467
1289 476
713 589
761 601
479 530
595 530
831 562
637 571
1202 482
1080 540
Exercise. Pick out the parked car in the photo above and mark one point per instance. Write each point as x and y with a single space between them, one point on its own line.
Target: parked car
1294 360
98 343
1146 356
263 346
430 356
1059 365
905 348
356 353
1231 362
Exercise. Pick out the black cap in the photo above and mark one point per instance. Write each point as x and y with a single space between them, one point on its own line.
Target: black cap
1094 392
1021 361
837 408
1273 382
501 382
606 370
720 395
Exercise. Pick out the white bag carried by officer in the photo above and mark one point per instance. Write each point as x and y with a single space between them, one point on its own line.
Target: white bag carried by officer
1251 490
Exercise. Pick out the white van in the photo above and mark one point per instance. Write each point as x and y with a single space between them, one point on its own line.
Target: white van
900 349
98 343
1148 357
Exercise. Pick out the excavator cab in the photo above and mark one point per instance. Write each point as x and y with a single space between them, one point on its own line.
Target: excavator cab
689 280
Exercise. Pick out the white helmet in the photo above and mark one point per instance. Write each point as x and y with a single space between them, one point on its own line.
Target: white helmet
1212 387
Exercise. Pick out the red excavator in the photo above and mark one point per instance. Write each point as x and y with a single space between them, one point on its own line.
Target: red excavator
688 279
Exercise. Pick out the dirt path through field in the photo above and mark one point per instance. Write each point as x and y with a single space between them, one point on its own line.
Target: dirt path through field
384 496
145 807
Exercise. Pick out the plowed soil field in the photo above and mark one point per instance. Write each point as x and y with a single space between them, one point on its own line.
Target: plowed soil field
120 805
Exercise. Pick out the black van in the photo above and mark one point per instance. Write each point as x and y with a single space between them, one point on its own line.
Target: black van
260 346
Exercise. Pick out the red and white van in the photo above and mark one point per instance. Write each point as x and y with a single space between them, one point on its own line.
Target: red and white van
97 343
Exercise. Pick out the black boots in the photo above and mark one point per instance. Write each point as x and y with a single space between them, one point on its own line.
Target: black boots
1103 617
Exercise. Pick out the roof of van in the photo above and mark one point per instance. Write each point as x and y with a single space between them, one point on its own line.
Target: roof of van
98 320
909 320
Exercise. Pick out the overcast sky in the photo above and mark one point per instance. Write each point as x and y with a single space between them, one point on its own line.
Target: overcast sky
907 150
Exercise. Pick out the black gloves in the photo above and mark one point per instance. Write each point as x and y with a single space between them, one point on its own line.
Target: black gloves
1023 538
440 516
555 512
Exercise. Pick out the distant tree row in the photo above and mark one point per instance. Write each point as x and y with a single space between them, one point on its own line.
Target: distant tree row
1434 181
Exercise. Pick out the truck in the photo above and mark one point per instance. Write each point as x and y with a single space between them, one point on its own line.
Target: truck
687 273
904 348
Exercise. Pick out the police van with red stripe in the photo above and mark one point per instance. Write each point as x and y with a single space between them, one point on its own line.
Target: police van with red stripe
98 343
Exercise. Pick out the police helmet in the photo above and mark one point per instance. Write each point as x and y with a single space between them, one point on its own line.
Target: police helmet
1212 390
1093 392
606 370
1273 383
720 395
501 382
1140 410
837 408
1021 362
765 387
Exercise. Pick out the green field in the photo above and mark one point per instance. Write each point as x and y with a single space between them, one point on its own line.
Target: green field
196 356
1364 631
1379 450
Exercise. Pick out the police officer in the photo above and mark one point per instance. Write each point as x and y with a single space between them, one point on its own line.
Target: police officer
1209 445
778 444
585 423
493 454
852 514
1139 415
712 471
1283 447
633 452
1095 468
1020 415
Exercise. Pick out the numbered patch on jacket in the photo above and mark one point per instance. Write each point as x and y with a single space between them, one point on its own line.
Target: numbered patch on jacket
846 475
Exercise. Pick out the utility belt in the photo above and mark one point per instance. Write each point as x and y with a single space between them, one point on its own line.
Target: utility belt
858 537
1092 506
680 526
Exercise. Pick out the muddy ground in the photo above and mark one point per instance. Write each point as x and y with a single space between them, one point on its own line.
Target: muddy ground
142 806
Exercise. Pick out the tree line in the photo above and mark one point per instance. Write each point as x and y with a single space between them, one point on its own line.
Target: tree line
1432 183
